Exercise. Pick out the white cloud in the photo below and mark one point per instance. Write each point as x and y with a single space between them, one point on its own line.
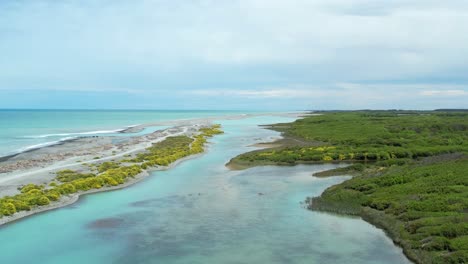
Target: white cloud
334 47
360 38
352 95
401 87
445 93
261 93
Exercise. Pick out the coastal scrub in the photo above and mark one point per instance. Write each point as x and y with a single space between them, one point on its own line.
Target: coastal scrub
411 173
108 174
386 137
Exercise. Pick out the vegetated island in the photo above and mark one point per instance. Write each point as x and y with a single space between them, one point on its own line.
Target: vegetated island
410 168
117 165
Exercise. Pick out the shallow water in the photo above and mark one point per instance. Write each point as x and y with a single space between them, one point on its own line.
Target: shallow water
24 129
199 212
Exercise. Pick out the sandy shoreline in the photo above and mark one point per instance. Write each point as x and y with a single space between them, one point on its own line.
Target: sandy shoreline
39 166
73 198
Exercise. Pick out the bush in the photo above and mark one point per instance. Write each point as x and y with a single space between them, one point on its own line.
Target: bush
30 187
8 209
107 165
66 188
437 244
53 195
110 173
70 175
43 200
459 243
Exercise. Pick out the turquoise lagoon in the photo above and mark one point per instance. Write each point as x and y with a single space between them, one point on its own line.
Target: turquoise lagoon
200 212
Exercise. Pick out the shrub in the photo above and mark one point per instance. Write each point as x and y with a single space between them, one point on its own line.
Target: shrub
43 200
30 187
8 209
107 165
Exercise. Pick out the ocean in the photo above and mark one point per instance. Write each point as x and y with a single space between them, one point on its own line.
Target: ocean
22 130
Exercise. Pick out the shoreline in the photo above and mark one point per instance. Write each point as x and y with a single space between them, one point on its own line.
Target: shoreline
397 160
77 154
373 217
284 141
71 199
44 173
385 227
134 129
234 164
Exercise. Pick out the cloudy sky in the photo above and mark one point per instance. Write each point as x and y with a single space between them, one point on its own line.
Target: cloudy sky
234 54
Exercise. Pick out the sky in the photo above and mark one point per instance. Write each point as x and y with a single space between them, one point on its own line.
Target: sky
234 54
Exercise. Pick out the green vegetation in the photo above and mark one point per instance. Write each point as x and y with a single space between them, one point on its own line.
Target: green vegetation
33 195
353 169
109 173
174 148
165 152
30 195
412 172
107 165
427 205
387 137
70 175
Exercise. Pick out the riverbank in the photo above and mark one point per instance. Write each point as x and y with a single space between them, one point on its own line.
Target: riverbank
91 163
413 211
201 212
39 166
63 186
73 198
394 158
